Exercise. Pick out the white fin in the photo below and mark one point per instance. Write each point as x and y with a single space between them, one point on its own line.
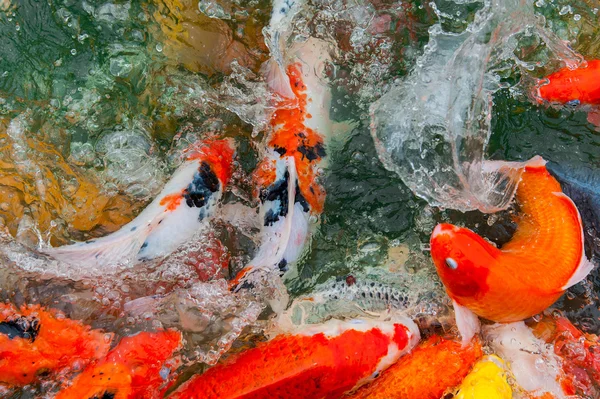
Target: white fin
119 247
467 322
277 79
585 267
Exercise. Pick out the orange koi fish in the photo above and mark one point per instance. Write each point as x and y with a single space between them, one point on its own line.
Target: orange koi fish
581 85
135 369
35 341
321 361
574 86
435 367
180 210
578 351
530 272
286 179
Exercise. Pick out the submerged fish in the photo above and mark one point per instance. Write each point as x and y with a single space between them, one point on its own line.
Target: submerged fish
578 352
316 362
533 365
286 178
180 210
434 367
35 341
135 369
487 380
530 272
574 86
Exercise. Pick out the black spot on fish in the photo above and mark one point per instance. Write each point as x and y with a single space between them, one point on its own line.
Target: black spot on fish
134 228
283 266
90 241
312 152
300 134
203 185
280 150
21 327
276 191
144 245
301 200
105 395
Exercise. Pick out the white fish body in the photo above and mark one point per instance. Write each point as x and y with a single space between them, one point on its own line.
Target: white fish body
180 210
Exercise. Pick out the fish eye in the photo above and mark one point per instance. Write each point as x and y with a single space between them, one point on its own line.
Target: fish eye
451 263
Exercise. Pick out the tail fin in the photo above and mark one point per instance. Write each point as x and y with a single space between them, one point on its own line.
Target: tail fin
120 247
277 78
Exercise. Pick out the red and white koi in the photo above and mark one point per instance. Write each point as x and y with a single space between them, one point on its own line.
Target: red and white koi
313 362
286 178
181 209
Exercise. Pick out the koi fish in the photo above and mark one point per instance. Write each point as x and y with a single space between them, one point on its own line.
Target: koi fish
581 85
575 87
532 363
286 179
319 361
180 210
137 368
434 367
578 352
35 341
530 272
487 380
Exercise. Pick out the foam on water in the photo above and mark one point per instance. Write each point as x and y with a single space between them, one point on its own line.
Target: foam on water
433 128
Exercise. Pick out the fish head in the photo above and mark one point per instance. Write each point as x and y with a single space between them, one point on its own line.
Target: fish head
217 153
462 259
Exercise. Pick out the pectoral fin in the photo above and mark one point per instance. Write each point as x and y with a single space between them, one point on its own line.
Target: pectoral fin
467 322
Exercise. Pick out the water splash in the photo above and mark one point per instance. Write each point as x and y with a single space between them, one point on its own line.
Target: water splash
433 128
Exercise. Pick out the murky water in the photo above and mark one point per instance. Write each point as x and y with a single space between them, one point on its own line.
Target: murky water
99 99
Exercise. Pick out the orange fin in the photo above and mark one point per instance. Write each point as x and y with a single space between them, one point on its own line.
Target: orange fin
276 78
585 266
467 323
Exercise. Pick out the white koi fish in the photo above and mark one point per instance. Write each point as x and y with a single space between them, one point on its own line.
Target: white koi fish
180 210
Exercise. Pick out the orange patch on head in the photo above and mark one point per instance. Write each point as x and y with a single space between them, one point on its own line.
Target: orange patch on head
218 154
265 173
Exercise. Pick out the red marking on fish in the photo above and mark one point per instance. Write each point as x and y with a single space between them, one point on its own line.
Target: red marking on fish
218 154
528 273
172 201
292 135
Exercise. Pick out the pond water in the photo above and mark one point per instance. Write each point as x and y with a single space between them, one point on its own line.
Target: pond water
99 100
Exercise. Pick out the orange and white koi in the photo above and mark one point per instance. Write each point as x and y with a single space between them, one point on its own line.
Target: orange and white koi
180 210
35 341
530 272
137 368
319 361
286 178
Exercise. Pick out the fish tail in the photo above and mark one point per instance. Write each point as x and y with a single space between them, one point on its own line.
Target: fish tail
276 78
116 248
